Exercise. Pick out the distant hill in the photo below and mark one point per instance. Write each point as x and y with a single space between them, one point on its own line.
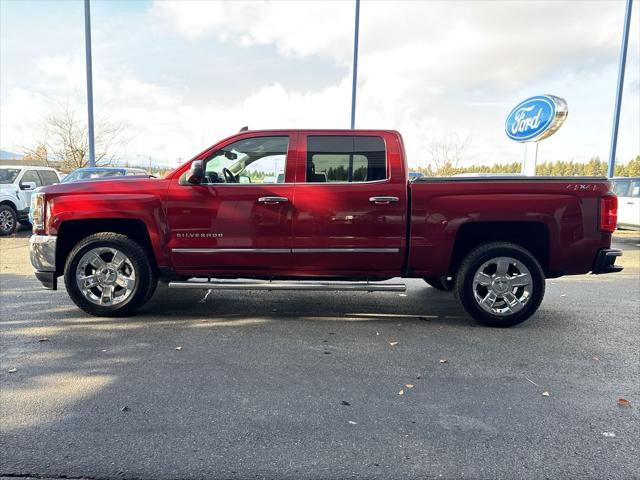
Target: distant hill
5 155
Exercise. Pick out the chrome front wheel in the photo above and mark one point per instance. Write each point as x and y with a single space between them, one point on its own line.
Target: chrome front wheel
109 274
105 276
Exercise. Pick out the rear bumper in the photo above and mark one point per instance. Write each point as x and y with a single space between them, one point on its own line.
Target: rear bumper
605 261
42 251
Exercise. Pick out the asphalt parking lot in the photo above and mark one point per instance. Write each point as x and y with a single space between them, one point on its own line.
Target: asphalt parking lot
320 385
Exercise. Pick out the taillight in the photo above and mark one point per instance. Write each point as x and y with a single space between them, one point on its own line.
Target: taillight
608 213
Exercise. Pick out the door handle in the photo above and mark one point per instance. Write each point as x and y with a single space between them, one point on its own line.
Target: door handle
272 200
383 200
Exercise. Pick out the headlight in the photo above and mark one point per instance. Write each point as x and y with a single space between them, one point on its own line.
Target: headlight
36 212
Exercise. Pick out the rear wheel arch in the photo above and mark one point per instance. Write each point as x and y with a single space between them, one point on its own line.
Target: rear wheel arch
532 236
71 232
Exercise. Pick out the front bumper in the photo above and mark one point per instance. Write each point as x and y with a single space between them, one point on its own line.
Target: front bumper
23 215
605 261
42 251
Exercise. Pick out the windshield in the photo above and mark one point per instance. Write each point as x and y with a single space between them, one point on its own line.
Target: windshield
90 174
8 175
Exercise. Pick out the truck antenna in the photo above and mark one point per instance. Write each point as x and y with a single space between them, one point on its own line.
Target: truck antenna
244 129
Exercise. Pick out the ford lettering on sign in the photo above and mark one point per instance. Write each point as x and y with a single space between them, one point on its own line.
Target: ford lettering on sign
536 118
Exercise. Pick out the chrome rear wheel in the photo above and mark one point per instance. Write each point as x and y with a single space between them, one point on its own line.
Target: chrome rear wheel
502 286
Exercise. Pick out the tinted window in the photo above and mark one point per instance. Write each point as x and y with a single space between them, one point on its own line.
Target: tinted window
48 177
31 176
346 159
634 189
8 175
250 160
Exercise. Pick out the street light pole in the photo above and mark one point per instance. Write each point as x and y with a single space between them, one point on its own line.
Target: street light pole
355 67
87 43
618 105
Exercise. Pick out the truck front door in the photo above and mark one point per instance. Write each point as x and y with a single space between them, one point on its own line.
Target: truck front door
239 219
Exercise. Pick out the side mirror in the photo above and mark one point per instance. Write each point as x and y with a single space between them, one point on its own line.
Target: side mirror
28 186
195 175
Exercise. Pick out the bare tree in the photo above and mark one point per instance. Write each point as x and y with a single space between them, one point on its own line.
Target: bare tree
65 140
448 152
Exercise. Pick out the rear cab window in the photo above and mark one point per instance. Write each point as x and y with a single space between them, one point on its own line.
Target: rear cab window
345 159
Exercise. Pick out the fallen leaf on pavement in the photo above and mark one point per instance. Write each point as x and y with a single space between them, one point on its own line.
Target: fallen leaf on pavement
43 339
346 404
623 402
608 434
444 360
327 353
178 348
124 409
352 422
545 394
12 370
596 359
401 392
393 344
409 385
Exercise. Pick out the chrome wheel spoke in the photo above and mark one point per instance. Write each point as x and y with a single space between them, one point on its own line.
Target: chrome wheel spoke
118 259
96 261
490 299
482 278
90 281
502 267
514 304
106 296
521 280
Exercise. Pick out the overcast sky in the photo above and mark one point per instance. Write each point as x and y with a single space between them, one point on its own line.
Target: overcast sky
183 75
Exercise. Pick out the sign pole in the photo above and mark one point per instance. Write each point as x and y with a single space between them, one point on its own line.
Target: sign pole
355 67
618 104
87 43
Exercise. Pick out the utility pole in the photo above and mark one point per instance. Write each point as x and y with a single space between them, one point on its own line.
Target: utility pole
87 46
618 104
355 67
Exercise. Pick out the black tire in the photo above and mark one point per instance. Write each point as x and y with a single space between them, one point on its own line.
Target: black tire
24 223
145 282
8 220
464 285
440 283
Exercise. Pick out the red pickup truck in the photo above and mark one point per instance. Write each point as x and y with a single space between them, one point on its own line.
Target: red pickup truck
320 210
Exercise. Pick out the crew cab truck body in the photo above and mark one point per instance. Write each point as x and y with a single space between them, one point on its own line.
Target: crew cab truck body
342 217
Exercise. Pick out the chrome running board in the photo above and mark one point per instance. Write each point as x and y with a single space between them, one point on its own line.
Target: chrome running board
309 286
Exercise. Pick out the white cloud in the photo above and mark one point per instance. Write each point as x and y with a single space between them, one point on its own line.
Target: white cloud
426 69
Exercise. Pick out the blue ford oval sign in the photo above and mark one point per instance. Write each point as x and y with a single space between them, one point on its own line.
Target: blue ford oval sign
536 118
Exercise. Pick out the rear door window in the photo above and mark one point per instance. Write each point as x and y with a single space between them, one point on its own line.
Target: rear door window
48 177
350 159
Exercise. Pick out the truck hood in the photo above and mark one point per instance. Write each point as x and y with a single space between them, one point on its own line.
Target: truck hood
8 189
111 185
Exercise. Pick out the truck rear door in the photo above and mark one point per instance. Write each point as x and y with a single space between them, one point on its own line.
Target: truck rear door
350 202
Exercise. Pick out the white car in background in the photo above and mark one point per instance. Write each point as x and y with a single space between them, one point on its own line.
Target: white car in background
17 183
628 191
